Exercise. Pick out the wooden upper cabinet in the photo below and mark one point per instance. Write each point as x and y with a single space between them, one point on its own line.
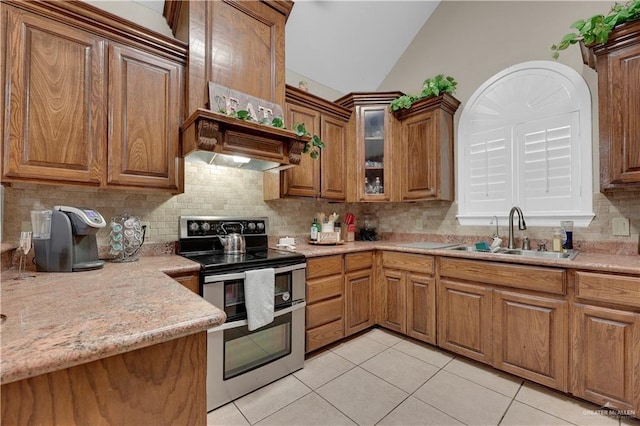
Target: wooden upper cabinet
90 99
304 179
370 170
424 151
618 65
333 177
324 177
238 44
54 102
144 110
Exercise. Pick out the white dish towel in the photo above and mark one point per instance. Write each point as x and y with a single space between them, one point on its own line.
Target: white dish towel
259 292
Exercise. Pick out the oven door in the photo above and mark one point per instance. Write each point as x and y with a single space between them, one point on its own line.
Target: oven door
240 361
226 291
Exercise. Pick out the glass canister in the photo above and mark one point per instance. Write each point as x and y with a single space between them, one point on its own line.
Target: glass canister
125 238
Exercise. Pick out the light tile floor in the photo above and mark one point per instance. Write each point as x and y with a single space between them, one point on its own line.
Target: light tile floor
380 378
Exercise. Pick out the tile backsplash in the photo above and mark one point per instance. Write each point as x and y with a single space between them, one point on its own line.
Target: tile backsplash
235 192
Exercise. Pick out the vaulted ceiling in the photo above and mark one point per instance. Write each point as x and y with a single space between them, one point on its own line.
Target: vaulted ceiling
351 45
347 45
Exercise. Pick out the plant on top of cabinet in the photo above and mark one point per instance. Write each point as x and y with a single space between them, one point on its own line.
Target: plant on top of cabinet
431 87
598 28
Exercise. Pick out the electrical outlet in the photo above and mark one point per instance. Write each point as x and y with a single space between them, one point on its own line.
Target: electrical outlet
620 226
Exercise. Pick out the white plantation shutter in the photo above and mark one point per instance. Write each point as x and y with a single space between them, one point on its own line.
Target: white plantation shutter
548 173
489 170
525 140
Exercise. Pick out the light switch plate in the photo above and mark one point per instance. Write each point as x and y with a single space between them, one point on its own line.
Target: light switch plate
620 226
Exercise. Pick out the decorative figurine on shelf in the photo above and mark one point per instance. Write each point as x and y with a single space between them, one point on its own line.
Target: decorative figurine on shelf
303 85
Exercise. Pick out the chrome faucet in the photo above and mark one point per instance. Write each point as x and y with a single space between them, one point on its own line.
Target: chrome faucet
521 225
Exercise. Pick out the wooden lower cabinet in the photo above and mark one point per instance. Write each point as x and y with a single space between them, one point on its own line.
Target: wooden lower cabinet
160 384
190 280
421 293
407 295
464 319
606 356
393 301
325 302
358 285
513 317
605 339
530 334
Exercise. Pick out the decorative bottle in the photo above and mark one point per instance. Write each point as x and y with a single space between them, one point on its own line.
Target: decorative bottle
557 240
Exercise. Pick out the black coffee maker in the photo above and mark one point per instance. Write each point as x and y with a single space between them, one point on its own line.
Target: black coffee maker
368 230
72 244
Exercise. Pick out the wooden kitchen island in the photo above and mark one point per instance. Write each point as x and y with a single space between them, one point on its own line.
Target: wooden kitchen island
125 344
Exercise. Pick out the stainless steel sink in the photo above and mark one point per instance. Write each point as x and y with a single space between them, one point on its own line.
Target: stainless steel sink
464 248
570 255
429 245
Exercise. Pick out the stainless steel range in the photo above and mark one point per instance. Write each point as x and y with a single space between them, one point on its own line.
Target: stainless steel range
241 359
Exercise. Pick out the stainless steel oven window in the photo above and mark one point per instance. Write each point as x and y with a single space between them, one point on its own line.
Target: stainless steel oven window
245 351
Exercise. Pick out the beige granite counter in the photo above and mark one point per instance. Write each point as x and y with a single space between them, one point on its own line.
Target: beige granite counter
587 261
59 320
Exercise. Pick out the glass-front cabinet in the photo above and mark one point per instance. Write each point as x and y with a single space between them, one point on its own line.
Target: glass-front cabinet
374 150
370 168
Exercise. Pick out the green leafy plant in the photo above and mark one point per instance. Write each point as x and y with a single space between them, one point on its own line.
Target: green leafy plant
312 147
597 28
431 87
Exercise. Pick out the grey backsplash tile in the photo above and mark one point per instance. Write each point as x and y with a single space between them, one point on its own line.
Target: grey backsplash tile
232 192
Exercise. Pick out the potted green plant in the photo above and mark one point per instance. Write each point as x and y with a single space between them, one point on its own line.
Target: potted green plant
597 28
431 87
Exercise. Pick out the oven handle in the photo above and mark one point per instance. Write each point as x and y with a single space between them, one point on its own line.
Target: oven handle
240 275
235 324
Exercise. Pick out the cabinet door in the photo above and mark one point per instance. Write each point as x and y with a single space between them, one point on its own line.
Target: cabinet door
190 281
333 166
421 307
358 301
531 335
55 102
393 301
374 138
619 93
144 109
464 319
606 356
419 162
303 180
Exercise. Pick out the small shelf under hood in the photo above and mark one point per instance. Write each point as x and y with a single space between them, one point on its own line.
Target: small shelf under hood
206 133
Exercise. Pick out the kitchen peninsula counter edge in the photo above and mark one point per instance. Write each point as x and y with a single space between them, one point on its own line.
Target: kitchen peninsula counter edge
59 320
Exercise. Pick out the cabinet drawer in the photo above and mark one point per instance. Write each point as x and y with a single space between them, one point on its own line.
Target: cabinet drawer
324 312
407 261
549 280
356 261
621 289
323 266
324 288
325 334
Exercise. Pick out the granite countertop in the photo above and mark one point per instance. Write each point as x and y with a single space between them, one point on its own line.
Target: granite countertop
59 320
584 261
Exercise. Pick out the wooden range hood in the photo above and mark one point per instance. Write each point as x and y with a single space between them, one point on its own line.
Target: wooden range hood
240 45
211 137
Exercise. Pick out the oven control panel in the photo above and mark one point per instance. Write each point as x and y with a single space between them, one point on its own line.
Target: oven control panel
208 226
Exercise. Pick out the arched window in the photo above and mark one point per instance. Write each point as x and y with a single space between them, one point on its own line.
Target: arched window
524 139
